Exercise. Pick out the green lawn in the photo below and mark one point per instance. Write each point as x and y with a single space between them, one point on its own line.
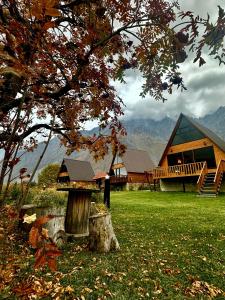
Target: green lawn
172 247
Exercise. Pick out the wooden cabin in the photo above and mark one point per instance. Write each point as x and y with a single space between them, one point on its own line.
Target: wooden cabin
75 171
128 171
193 160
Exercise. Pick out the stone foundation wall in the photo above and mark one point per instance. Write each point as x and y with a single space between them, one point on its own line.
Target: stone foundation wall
177 185
136 186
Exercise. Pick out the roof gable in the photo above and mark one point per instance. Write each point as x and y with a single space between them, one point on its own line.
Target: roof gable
137 161
78 170
187 130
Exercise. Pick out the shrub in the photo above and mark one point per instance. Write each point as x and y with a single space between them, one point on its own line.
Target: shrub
97 197
14 192
131 187
49 197
48 176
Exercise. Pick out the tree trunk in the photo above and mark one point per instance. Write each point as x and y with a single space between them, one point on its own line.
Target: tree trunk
9 149
2 175
101 234
23 197
10 174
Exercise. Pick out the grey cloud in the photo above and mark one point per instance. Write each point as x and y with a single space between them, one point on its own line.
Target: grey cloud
202 7
208 80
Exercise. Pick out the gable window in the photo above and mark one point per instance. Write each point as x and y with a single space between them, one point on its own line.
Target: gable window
186 132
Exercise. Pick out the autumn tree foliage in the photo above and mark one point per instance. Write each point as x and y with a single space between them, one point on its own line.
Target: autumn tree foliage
59 60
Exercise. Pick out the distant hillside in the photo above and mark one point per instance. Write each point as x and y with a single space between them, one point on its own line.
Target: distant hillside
145 134
155 129
215 121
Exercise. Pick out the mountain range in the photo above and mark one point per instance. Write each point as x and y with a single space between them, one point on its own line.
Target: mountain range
144 134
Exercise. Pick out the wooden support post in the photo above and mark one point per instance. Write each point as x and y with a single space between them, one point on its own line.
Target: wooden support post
184 187
107 191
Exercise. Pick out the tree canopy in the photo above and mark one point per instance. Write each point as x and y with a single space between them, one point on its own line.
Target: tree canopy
59 60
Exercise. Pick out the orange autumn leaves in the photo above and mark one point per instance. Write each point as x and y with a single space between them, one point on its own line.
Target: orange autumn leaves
42 8
46 250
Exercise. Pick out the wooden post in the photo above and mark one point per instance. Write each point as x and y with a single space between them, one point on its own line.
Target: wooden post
107 191
184 187
77 213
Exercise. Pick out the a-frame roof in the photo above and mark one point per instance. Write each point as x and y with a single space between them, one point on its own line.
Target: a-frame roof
78 170
205 132
136 161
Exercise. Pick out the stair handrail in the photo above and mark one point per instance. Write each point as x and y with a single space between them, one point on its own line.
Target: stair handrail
201 177
220 169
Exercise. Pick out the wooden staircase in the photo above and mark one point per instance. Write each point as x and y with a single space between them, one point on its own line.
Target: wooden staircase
208 188
209 183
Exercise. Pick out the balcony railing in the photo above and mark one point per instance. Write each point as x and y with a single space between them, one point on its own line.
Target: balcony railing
118 179
179 170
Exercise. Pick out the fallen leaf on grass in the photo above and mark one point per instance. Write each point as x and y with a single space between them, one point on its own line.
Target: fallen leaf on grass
86 290
38 288
169 271
157 289
69 289
29 219
203 288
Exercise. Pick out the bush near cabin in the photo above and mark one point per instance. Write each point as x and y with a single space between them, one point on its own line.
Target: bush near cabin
48 176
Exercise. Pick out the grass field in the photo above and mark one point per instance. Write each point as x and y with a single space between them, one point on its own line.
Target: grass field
172 247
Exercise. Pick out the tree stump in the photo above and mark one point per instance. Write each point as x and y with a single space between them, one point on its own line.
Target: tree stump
101 234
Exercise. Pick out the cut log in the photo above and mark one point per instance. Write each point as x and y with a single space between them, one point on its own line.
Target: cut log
101 234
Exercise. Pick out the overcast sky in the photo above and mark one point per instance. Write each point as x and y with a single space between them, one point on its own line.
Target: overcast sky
206 88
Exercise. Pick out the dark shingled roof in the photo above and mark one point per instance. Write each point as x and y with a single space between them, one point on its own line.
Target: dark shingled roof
137 161
78 170
205 131
208 133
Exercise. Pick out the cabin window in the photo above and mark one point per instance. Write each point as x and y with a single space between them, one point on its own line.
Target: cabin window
64 179
188 157
120 171
197 155
175 159
206 154
118 160
186 133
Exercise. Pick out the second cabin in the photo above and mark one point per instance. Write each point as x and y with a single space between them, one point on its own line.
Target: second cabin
128 170
193 160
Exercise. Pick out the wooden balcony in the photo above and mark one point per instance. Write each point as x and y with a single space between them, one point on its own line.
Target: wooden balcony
118 179
193 169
